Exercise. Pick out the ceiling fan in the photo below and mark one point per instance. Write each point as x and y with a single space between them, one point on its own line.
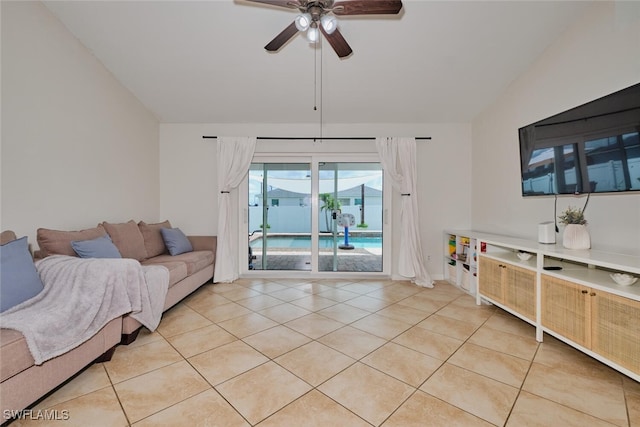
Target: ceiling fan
317 16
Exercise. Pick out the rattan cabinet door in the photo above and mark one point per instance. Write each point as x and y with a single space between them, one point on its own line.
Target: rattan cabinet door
520 291
566 309
490 279
616 329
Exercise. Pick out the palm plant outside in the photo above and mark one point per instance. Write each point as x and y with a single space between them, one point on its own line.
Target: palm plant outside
329 205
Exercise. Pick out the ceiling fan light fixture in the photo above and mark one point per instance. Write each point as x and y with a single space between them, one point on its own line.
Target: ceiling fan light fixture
303 21
313 34
329 23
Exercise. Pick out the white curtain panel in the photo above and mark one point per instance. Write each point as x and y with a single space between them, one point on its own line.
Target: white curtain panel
398 158
234 159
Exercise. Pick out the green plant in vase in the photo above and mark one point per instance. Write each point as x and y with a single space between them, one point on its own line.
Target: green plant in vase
575 235
572 215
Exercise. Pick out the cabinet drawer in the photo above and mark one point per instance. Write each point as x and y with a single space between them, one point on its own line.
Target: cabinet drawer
490 279
520 291
566 309
616 329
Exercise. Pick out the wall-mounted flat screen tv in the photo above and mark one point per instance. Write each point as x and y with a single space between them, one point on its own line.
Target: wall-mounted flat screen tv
593 148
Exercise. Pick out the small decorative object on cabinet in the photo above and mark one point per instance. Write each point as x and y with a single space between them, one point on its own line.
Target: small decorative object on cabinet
575 235
623 279
524 256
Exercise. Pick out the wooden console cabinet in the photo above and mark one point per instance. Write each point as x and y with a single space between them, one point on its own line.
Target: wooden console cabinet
510 285
615 331
566 309
605 323
579 303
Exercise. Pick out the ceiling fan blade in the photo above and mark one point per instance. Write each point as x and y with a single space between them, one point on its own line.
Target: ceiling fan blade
282 38
289 4
367 7
337 42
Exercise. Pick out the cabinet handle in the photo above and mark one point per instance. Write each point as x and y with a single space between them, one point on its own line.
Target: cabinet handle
584 291
593 294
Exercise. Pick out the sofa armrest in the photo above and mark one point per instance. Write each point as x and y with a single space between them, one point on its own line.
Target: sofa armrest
204 243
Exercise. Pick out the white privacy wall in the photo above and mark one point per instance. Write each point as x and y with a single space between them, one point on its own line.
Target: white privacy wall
188 179
77 147
599 55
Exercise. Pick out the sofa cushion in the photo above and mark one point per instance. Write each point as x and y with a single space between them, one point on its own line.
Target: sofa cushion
175 241
55 242
100 247
195 261
7 236
128 239
19 279
14 353
153 241
177 269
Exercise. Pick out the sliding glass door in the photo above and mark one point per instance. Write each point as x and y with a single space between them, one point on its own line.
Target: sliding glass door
350 217
316 216
280 216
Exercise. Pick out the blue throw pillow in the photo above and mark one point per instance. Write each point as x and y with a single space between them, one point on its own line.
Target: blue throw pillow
175 241
101 247
19 279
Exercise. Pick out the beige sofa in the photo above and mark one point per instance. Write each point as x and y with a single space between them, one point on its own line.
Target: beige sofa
23 383
144 242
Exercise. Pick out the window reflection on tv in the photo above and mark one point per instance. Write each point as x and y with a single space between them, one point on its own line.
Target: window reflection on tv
591 148
613 163
551 171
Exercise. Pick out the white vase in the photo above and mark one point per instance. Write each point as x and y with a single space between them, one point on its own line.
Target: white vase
576 236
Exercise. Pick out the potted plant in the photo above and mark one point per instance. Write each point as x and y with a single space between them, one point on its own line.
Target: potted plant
572 215
575 235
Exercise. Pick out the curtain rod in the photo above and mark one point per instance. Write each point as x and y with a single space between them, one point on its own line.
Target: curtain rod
313 138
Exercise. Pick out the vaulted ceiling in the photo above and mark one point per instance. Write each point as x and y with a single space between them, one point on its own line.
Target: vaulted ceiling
204 61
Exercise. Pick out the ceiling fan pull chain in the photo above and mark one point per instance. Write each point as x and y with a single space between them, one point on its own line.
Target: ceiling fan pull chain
321 86
315 79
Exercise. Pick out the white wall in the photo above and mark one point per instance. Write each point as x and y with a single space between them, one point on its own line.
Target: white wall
599 55
77 147
188 178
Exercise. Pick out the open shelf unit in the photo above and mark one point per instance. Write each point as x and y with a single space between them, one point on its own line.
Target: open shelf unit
579 303
461 261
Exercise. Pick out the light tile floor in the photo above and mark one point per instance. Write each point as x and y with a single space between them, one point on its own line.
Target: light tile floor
343 353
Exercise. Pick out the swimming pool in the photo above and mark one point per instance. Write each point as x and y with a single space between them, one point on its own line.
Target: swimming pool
326 242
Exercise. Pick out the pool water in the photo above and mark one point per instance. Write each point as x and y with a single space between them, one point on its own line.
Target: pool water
326 242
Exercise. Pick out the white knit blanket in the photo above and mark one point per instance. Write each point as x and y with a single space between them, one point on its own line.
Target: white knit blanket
82 295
